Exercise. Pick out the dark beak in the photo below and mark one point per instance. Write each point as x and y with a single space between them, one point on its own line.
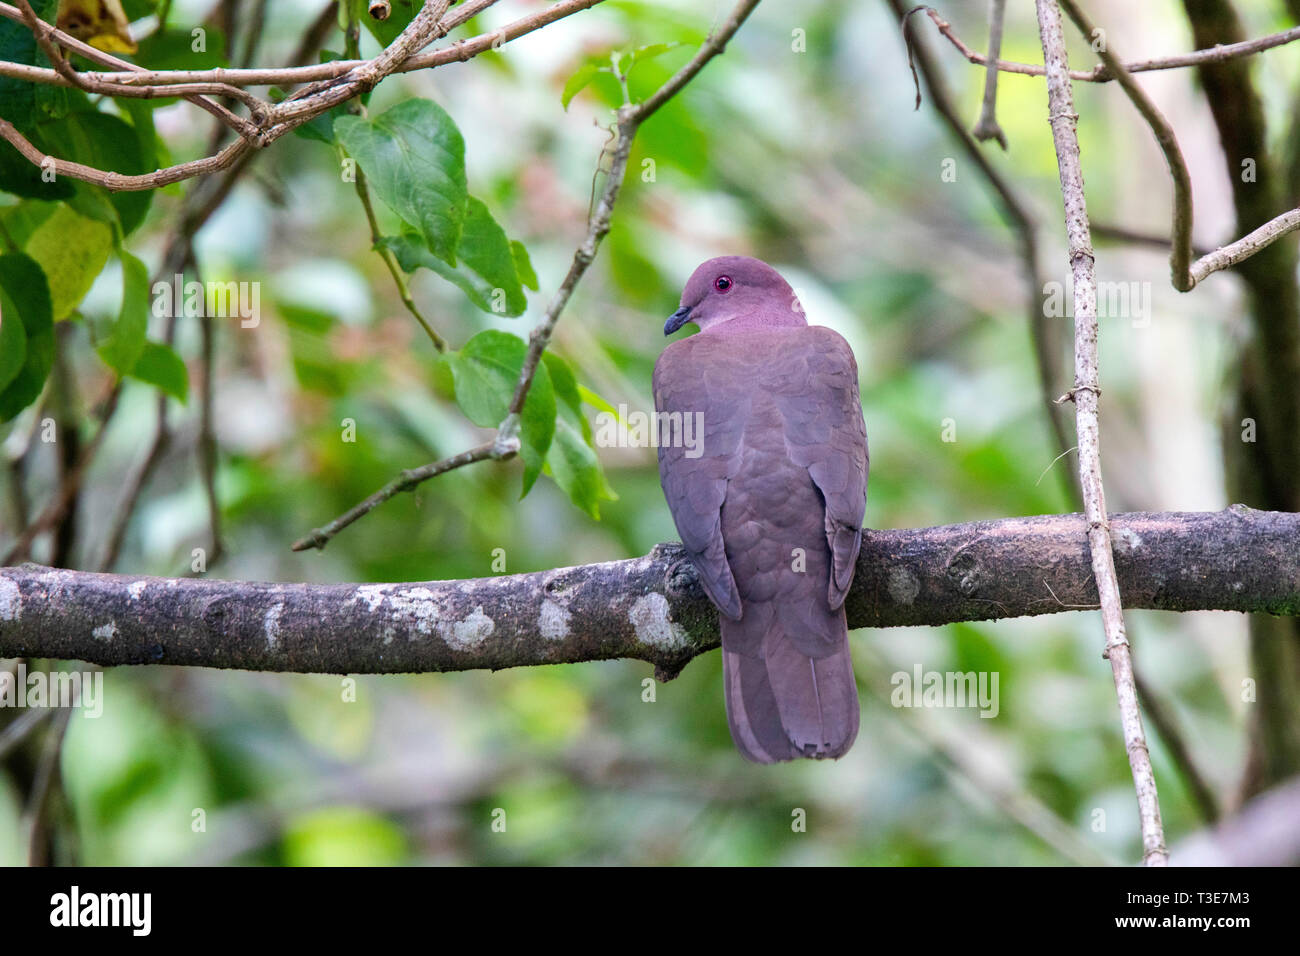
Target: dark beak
677 320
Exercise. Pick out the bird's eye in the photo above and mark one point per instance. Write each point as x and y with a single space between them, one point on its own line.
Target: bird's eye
722 283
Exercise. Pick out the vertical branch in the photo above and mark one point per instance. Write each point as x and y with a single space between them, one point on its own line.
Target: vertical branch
1264 473
1087 391
987 126
1046 335
1180 253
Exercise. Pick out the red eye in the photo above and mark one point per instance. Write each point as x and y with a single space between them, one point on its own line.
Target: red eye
722 283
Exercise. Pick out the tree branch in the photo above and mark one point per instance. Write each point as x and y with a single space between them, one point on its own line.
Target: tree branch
649 608
1047 335
986 127
269 122
1086 394
1181 230
1101 73
1246 246
506 443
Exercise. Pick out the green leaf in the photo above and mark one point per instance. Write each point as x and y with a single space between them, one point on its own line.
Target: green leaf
650 51
485 372
160 366
105 142
23 178
121 342
414 158
579 81
567 394
13 341
70 249
598 402
386 31
523 264
576 469
25 293
487 271
18 98
174 49
572 461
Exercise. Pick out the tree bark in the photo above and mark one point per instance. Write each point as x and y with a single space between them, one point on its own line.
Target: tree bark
1263 471
649 608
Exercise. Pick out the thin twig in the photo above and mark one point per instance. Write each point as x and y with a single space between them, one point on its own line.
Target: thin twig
207 440
1166 727
986 127
352 39
350 79
403 482
1180 253
22 725
1101 74
457 52
628 121
1086 394
507 444
45 784
135 487
1246 246
1046 335
66 493
49 37
394 268
1109 232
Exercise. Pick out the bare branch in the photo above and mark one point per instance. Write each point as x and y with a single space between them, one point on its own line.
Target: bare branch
66 493
1180 752
986 127
349 79
406 481
1181 231
648 608
390 261
1246 246
1087 392
457 52
48 36
628 122
1047 335
1101 74
506 444
1108 232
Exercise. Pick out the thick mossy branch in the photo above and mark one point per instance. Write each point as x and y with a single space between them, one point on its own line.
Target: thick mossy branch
649 608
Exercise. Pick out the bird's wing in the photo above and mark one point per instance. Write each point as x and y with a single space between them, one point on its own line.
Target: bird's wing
695 476
825 433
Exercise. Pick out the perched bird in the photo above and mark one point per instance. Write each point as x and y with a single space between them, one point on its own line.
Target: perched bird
769 505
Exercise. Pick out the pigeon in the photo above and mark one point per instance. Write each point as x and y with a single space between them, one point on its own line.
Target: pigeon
769 502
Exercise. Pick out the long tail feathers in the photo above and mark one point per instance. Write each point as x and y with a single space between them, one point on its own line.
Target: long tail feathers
785 704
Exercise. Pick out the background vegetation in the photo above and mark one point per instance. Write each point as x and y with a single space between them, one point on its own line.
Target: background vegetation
800 146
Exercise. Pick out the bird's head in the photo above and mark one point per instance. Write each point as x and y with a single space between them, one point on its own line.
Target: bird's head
736 287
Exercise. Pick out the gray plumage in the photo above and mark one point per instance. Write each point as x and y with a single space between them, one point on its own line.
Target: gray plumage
771 510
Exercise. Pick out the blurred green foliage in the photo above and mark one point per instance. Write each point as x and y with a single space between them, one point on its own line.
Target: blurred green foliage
799 145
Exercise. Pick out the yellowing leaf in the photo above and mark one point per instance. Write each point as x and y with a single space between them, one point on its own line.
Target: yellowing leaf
101 23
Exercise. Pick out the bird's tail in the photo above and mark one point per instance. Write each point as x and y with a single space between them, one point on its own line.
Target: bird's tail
783 702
